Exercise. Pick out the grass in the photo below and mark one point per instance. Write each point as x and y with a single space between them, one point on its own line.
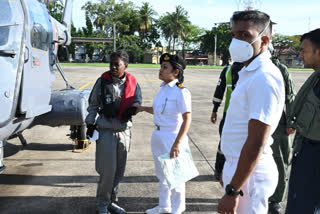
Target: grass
157 66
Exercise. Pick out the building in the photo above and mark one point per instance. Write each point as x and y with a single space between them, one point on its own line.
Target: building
290 58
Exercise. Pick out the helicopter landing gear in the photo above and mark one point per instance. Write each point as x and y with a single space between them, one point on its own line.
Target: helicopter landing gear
78 135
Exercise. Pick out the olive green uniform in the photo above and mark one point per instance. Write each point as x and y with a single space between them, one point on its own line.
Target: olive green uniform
282 146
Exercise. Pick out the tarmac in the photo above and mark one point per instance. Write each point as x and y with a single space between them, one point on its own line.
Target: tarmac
47 177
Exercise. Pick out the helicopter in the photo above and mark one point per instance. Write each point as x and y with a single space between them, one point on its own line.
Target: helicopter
29 41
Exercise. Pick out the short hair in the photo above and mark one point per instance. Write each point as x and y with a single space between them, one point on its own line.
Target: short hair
258 18
121 54
313 36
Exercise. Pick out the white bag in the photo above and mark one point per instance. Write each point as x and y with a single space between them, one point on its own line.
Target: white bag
95 136
178 170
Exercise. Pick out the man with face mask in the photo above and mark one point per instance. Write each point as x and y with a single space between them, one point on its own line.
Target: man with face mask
304 188
250 174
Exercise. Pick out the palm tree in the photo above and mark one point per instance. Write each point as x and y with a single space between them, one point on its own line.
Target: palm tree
146 16
165 25
180 24
174 26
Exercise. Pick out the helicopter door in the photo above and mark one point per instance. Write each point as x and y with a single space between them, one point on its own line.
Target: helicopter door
11 57
37 75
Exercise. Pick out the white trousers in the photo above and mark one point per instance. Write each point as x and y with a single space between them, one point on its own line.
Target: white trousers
259 187
161 143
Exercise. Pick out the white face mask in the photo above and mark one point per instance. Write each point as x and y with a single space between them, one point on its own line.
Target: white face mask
242 51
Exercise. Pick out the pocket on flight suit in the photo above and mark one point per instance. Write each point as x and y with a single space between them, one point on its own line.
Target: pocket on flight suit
98 155
308 119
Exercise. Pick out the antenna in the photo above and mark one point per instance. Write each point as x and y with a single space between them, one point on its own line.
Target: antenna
249 4
238 2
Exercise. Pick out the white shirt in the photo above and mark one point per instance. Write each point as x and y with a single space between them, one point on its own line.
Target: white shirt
259 95
170 104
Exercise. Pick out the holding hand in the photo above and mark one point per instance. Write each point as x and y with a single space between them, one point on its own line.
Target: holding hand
228 204
214 117
90 130
290 131
175 150
129 112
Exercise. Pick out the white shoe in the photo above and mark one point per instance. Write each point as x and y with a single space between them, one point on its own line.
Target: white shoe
158 210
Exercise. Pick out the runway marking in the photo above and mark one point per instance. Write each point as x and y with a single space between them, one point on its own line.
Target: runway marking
85 85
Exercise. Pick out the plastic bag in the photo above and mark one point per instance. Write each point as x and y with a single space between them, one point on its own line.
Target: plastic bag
95 136
178 170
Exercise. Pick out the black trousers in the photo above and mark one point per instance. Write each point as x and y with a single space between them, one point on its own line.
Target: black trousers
304 187
220 159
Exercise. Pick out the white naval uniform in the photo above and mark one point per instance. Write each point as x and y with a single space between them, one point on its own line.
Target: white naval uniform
168 106
259 95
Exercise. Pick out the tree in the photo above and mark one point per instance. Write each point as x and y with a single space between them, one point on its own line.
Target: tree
282 42
223 33
180 24
56 10
146 19
174 26
106 13
164 23
191 38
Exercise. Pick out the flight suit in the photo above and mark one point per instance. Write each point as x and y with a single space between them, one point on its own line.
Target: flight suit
304 188
113 143
282 145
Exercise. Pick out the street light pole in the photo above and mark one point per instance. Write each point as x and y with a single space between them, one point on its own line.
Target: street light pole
215 50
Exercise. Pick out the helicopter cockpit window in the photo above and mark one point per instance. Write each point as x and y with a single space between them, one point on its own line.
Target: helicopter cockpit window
5 19
39 37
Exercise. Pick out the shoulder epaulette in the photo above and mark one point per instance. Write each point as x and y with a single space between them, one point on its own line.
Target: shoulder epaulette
180 85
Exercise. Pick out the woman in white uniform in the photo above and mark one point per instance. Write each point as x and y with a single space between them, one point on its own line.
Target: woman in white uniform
171 111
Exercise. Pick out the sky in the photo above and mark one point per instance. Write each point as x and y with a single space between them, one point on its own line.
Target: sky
293 17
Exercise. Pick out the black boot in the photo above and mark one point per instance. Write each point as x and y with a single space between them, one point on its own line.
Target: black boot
275 208
116 209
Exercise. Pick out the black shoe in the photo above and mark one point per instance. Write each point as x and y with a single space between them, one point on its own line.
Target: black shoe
115 209
275 208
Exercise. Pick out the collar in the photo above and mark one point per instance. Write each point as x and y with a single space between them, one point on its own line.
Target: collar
119 80
170 84
256 63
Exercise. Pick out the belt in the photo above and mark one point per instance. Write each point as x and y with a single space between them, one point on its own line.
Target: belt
165 128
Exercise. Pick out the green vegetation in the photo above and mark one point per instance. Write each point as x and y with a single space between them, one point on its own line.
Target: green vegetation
139 29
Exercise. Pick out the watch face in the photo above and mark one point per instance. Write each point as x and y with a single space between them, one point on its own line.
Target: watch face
229 190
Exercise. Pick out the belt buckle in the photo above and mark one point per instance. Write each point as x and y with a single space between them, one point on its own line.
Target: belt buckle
158 127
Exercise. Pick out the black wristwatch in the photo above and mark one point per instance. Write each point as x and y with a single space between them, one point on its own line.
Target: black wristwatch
230 190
